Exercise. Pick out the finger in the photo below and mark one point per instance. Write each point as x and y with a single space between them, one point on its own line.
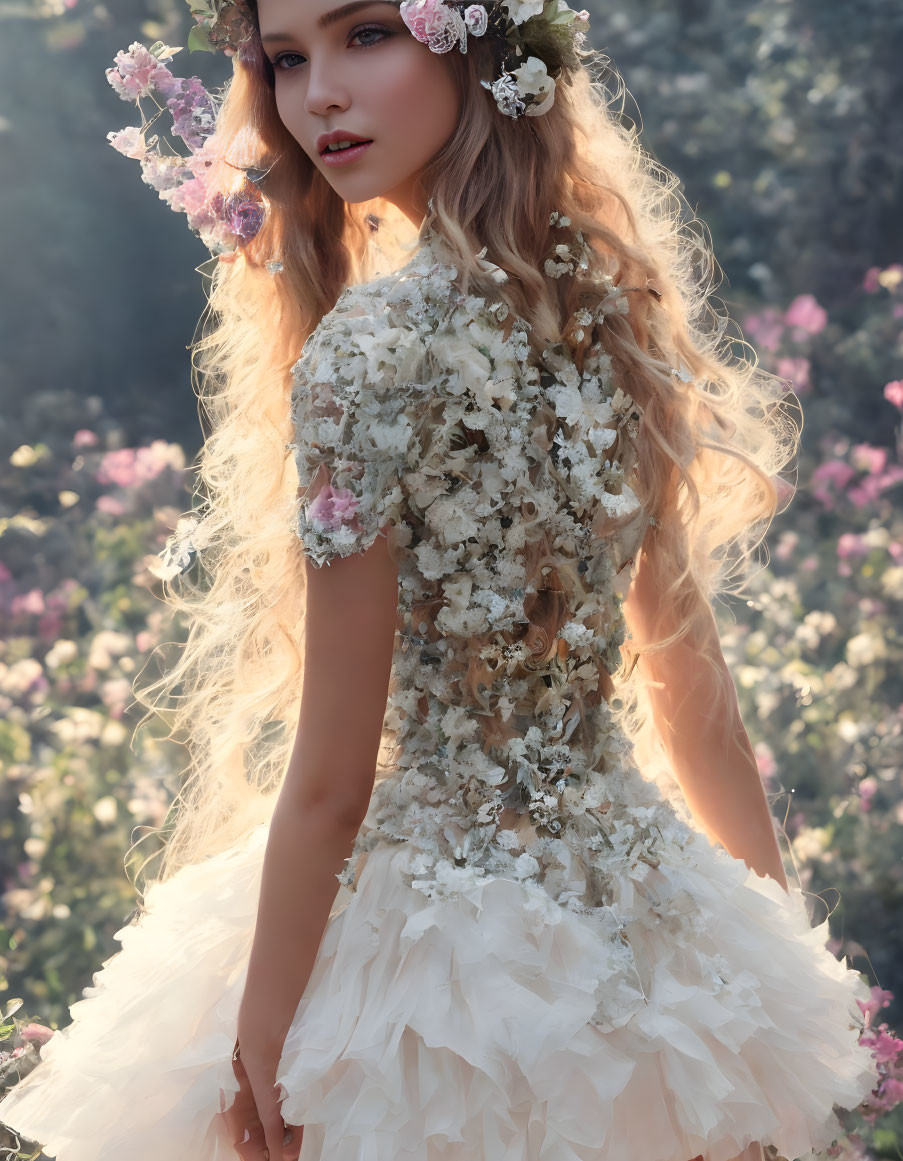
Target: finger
274 1130
243 1126
266 1097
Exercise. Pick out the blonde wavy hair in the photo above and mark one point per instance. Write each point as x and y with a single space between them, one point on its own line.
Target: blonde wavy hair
710 448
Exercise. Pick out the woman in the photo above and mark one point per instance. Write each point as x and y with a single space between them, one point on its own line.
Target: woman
523 463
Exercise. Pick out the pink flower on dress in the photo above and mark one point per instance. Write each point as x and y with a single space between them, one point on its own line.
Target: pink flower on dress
332 508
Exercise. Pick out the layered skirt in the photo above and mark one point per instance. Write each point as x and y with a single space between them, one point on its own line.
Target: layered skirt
487 1023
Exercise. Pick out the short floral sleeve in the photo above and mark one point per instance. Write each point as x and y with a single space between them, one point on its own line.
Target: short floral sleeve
352 429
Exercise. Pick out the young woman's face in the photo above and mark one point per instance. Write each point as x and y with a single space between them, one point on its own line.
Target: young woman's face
355 72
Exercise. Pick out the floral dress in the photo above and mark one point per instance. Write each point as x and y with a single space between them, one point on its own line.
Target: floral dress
533 956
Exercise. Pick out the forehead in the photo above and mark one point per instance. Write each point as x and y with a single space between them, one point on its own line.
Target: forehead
281 18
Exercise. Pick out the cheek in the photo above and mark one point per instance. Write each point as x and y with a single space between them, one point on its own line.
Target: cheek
419 103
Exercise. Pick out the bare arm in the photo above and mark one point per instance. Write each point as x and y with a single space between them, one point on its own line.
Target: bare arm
710 752
349 631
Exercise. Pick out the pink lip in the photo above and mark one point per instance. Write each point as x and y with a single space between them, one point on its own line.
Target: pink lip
343 156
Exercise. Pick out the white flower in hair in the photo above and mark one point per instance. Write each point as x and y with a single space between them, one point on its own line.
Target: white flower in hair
533 80
521 10
507 95
476 19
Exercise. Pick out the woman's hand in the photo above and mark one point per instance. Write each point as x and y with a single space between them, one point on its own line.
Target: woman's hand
254 1124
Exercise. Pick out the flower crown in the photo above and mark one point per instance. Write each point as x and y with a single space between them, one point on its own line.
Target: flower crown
538 38
534 40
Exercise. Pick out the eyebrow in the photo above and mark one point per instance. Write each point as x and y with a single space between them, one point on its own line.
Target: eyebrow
331 17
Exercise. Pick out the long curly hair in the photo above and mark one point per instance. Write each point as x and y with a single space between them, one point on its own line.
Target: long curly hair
711 445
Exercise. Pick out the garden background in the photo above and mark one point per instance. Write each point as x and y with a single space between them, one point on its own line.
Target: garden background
783 120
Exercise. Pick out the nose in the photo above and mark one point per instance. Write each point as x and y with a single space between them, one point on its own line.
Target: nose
326 90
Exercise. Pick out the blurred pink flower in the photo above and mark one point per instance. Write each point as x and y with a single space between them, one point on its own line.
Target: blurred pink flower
766 328
36 1033
870 488
110 505
50 626
868 458
891 1093
837 473
118 467
797 371
867 788
806 314
30 603
765 761
787 542
893 392
851 544
895 548
885 1047
84 437
128 466
115 695
58 599
5 574
870 282
878 999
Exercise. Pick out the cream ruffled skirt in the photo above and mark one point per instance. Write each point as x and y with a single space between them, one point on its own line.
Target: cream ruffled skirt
491 1024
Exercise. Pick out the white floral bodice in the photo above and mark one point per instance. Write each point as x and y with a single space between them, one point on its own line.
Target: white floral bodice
502 481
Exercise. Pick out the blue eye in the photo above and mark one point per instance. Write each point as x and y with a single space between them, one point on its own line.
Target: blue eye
281 57
381 32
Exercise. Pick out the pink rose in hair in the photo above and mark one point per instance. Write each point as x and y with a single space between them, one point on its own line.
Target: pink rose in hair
138 73
433 23
332 508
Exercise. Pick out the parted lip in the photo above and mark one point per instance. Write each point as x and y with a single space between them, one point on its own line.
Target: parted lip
335 137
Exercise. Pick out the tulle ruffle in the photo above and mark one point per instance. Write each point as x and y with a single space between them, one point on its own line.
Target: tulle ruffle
490 1024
